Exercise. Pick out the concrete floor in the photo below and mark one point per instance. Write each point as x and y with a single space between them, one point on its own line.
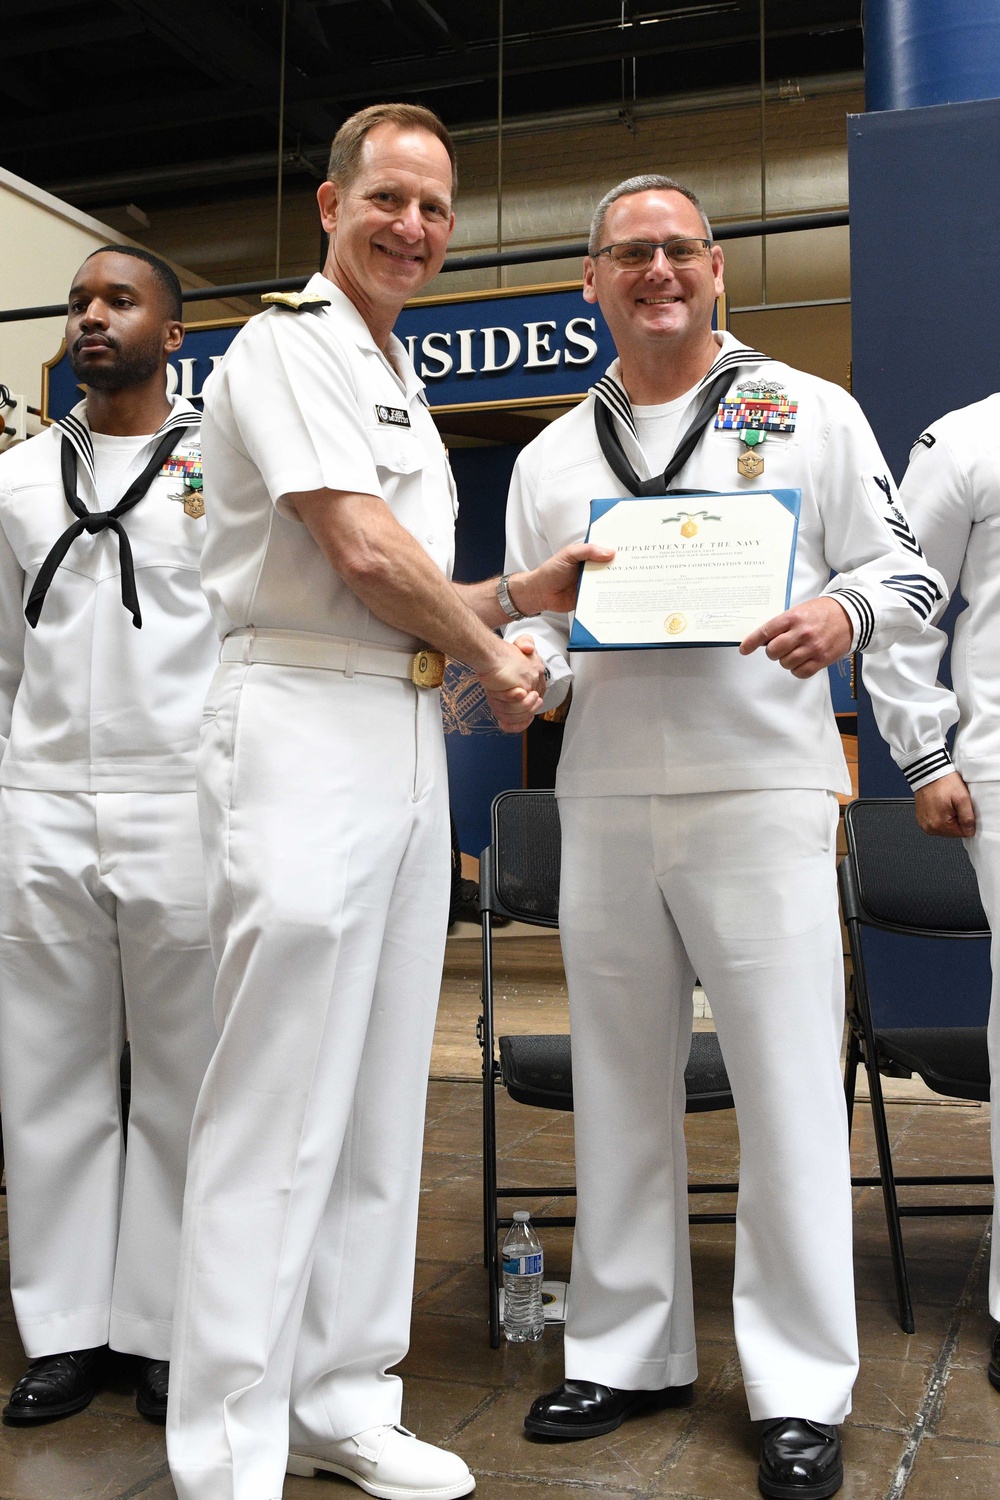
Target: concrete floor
926 1423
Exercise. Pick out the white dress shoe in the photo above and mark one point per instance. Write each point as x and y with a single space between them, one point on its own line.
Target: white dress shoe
391 1464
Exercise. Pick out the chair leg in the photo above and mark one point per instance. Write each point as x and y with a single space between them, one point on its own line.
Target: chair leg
863 1035
890 1199
851 1072
490 1215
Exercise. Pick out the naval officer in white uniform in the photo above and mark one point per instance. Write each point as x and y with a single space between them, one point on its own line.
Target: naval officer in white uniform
325 819
951 490
103 922
697 799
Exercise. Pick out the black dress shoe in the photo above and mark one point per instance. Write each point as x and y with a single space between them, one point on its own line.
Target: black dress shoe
151 1397
799 1460
581 1409
55 1386
993 1368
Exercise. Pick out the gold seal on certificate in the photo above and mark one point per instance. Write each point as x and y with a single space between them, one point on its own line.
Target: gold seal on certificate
688 570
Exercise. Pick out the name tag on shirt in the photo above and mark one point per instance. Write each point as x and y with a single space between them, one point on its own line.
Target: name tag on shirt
393 416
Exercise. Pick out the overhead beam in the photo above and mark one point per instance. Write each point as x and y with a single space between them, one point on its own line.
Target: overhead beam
477 65
231 51
62 38
253 166
433 23
14 10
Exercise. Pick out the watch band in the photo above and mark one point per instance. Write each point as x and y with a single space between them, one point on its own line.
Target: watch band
504 600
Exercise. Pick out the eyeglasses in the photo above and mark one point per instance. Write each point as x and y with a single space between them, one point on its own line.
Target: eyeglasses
634 255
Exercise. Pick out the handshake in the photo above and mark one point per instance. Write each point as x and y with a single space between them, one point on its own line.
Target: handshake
515 681
516 686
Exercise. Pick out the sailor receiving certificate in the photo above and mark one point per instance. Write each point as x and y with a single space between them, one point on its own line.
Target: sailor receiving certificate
696 795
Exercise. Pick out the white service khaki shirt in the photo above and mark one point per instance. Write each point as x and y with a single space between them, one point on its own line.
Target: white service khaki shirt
306 401
88 702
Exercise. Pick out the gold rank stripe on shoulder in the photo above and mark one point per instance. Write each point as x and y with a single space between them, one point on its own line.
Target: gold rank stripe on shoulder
296 301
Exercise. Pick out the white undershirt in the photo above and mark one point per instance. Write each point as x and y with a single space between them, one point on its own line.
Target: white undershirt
658 429
113 457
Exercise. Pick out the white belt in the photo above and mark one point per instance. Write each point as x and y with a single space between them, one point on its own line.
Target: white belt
293 648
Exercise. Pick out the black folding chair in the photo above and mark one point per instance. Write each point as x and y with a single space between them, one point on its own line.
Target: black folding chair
898 879
519 878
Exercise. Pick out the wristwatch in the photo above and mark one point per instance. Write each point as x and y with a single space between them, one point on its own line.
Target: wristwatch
504 600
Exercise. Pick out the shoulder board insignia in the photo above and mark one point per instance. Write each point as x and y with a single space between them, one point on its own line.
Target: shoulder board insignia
297 301
927 438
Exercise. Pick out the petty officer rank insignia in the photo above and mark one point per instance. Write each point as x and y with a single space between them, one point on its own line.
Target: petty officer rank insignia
758 407
187 468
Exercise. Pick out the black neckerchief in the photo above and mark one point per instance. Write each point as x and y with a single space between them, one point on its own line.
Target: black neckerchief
95 521
618 460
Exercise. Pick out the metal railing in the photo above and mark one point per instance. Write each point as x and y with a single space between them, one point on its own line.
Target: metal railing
739 230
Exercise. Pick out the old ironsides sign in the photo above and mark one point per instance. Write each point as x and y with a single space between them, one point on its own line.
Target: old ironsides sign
526 346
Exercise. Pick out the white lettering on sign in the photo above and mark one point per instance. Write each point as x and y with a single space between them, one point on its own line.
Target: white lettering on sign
180 378
581 341
465 365
537 341
434 354
490 365
432 350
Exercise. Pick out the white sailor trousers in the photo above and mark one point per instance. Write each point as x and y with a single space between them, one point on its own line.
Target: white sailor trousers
738 888
325 821
102 925
984 851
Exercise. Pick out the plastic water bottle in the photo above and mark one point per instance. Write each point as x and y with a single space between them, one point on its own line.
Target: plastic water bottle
523 1318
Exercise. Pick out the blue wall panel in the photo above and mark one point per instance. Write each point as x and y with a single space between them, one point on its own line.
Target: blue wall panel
925 224
481 760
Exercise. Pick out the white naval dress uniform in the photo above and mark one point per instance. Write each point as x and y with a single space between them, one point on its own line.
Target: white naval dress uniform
952 496
102 899
324 813
696 795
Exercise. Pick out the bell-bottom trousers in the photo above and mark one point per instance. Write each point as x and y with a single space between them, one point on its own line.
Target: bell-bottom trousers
738 888
102 925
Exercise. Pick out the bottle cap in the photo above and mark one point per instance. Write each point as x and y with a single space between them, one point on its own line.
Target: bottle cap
521 1216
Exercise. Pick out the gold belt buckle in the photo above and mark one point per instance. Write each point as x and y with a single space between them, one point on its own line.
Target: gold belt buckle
427 669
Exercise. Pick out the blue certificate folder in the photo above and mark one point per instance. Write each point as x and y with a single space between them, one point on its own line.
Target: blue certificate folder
581 639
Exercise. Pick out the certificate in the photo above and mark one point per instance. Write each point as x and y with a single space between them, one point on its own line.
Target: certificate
689 570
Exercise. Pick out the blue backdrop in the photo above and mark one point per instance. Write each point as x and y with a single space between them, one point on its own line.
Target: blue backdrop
926 329
481 760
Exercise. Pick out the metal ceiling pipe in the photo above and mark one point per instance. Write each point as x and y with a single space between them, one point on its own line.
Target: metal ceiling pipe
259 165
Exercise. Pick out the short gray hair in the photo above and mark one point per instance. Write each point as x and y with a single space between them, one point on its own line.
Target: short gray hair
648 182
